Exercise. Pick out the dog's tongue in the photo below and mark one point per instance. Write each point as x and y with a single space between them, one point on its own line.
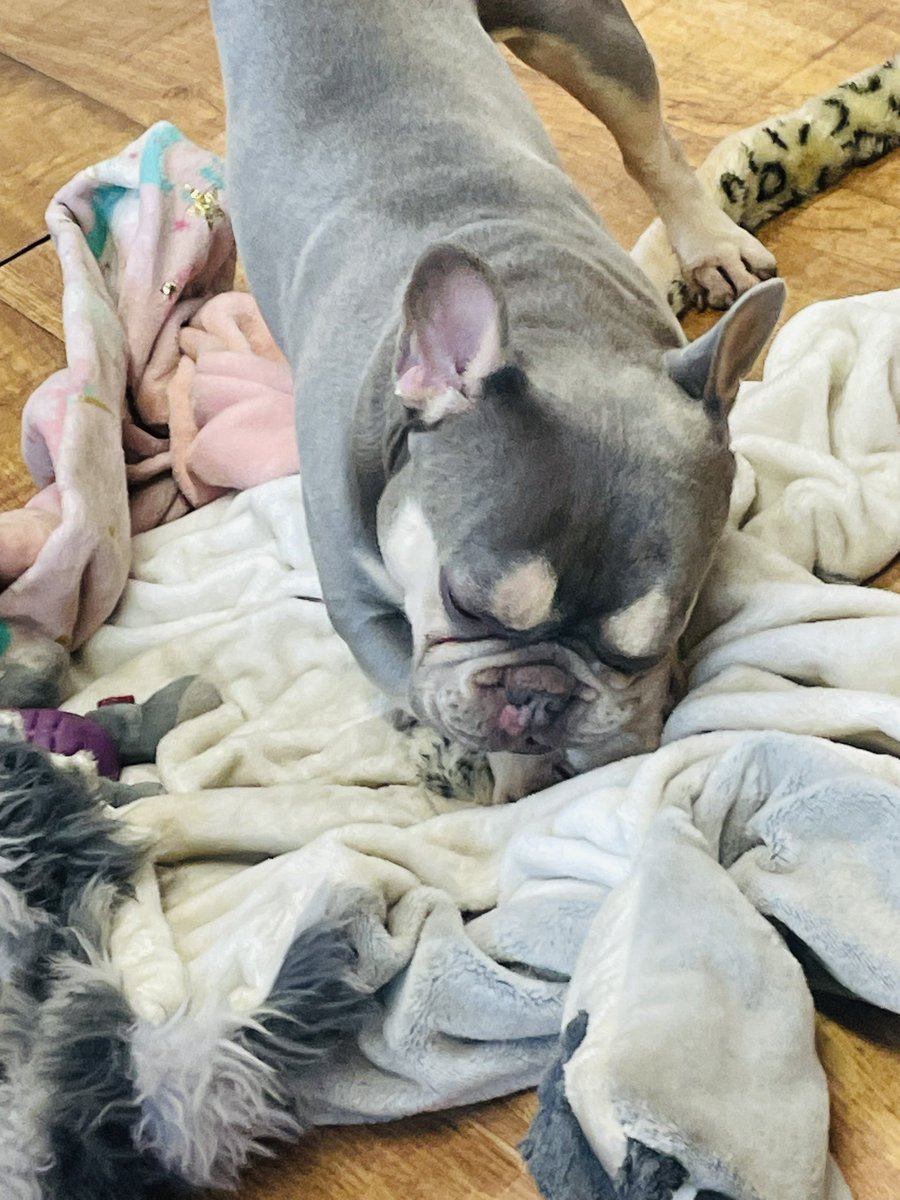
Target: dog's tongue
513 720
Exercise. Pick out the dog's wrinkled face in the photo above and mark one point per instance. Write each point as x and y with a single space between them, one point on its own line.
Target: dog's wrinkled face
547 587
548 544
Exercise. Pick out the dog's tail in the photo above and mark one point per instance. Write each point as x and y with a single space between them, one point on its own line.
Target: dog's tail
760 172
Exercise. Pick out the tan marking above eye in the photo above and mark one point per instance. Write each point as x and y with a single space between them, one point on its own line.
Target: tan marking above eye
635 630
523 598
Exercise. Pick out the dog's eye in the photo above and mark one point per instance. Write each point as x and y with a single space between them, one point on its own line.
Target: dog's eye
457 609
593 648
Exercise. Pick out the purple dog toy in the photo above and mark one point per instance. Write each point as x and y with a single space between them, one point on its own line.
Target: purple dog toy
67 733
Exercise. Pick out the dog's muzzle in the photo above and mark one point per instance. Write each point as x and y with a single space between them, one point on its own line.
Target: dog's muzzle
522 701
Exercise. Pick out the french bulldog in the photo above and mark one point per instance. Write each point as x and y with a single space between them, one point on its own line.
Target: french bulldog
515 470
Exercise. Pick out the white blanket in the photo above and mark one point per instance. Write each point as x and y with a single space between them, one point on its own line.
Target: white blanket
643 882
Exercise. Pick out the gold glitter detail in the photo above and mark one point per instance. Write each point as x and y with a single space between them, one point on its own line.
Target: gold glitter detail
96 403
169 287
205 204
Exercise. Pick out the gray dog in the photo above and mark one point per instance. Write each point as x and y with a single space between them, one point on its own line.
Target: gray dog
515 471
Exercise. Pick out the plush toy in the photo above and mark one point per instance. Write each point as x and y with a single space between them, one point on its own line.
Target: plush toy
762 171
118 733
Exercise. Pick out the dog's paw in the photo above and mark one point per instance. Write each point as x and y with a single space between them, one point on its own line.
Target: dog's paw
721 261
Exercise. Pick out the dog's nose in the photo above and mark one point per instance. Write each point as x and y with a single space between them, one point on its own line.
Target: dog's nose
536 695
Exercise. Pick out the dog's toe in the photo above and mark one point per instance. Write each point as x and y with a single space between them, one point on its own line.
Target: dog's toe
762 271
725 274
721 260
717 284
758 260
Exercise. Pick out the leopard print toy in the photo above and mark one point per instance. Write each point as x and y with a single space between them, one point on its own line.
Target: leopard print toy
762 171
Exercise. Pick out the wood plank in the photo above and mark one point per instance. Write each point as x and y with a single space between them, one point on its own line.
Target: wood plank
28 355
880 181
448 1157
874 38
48 133
711 84
169 66
890 578
837 244
32 284
865 1102
589 154
388 1160
701 118
161 63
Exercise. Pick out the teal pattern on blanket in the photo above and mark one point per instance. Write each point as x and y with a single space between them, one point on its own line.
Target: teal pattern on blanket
159 139
5 637
105 199
213 173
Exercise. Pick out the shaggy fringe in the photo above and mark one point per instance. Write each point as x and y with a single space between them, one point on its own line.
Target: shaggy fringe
207 1105
316 1001
24 1152
97 1105
83 1062
101 1107
215 1091
55 839
67 1106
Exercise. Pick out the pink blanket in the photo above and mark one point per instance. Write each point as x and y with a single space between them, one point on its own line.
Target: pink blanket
168 375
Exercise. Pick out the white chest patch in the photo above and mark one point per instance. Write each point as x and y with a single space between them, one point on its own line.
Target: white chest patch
524 597
411 558
635 630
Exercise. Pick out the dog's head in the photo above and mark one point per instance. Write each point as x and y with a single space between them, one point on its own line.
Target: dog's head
554 517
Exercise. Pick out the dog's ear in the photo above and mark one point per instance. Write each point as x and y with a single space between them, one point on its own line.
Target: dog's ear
454 333
711 367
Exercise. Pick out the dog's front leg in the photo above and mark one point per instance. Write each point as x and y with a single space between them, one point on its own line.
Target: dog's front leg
593 49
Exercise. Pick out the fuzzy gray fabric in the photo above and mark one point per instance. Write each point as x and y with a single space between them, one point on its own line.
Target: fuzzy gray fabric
557 1152
74 1125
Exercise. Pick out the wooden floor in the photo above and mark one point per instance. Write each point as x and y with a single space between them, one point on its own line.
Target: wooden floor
79 78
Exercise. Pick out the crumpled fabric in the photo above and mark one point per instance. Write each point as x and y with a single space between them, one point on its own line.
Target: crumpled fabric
164 368
230 403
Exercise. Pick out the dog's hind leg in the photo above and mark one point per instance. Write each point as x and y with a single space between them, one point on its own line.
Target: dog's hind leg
593 49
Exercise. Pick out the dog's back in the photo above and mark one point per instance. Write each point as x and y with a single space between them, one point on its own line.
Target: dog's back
405 126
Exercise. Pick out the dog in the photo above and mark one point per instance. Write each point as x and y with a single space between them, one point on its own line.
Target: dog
515 471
